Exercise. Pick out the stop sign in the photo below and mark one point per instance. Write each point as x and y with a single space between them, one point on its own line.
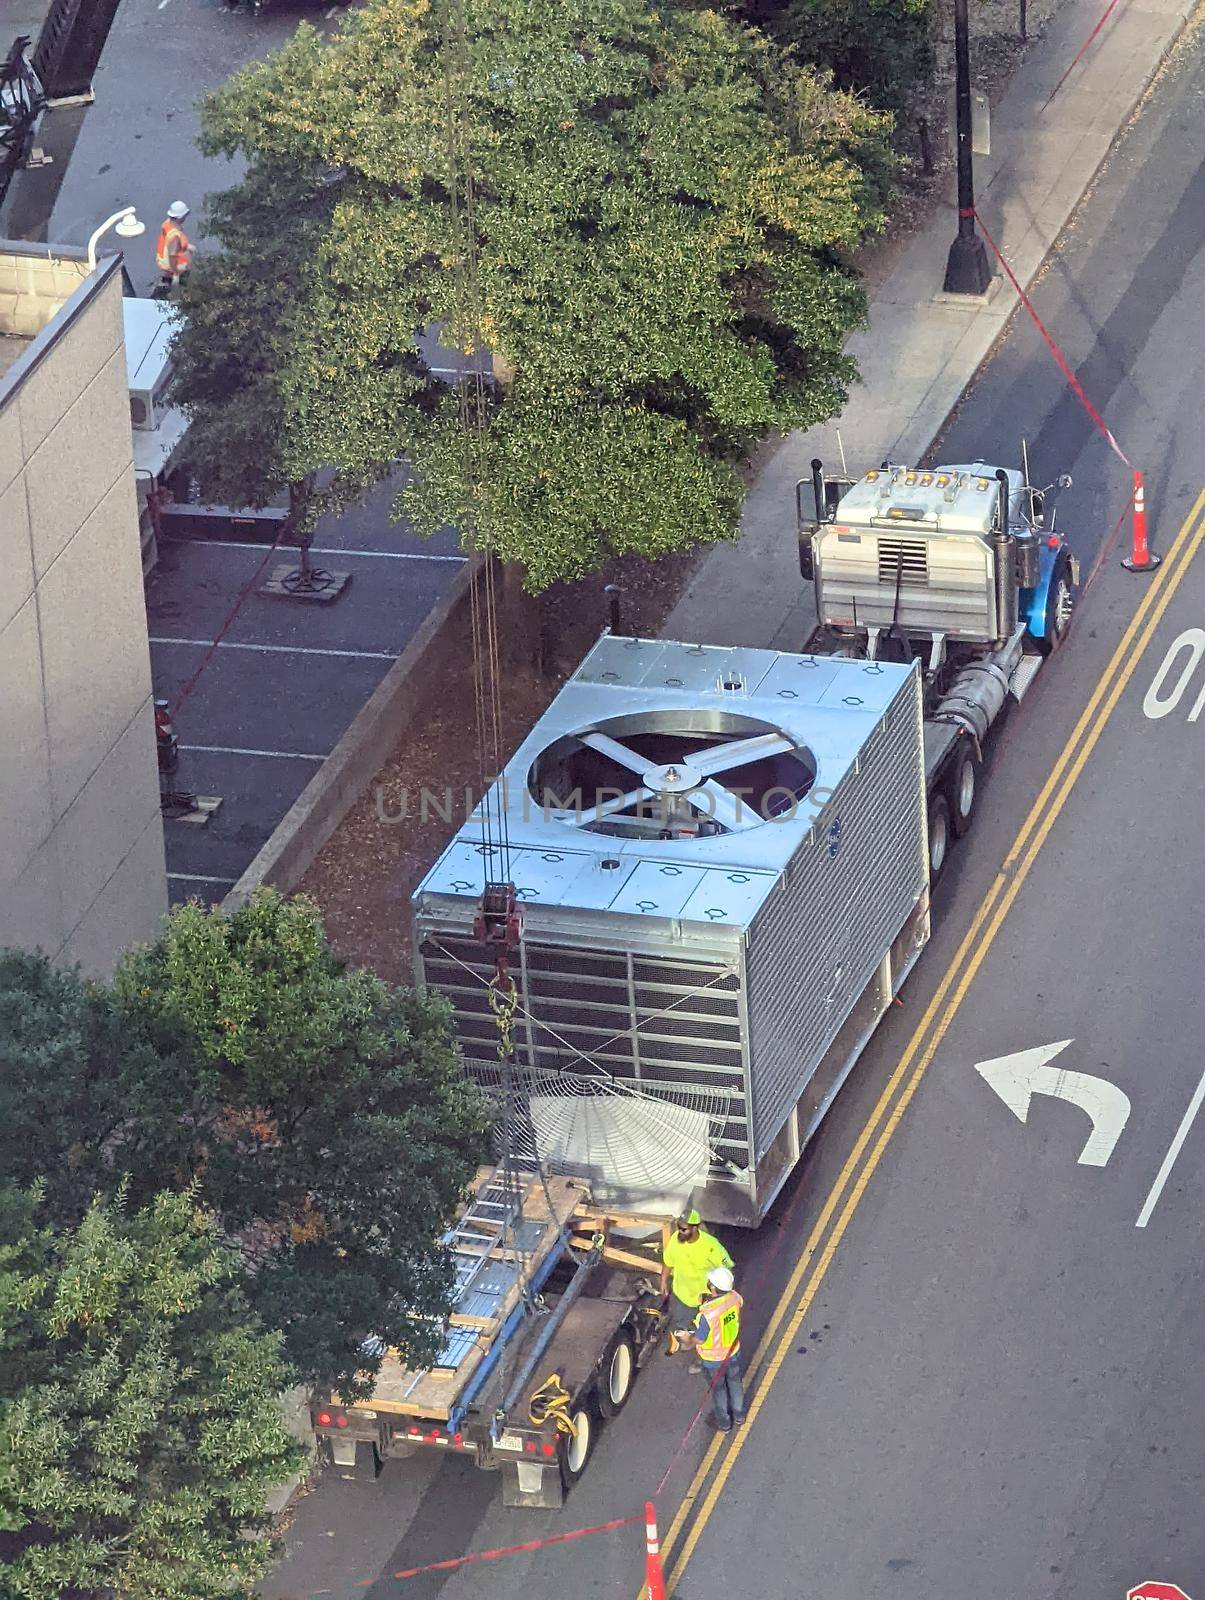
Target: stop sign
1154 1590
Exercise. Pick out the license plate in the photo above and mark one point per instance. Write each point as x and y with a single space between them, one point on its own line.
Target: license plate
509 1441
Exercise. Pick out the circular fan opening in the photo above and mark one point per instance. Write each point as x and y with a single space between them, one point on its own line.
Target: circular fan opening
672 775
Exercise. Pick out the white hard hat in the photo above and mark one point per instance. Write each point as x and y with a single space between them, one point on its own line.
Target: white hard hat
177 210
721 1278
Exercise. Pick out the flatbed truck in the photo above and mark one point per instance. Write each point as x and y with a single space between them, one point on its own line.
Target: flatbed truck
552 1321
952 571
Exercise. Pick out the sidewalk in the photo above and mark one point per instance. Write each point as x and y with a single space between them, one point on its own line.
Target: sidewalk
920 351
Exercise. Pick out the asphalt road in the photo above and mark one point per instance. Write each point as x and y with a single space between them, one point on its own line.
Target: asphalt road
993 1388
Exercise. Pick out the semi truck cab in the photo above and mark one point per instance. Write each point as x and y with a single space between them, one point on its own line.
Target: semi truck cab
948 562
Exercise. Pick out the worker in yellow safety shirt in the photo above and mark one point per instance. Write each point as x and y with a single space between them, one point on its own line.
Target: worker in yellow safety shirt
687 1257
718 1343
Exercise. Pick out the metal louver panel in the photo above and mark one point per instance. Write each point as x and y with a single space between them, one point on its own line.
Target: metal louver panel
903 561
668 1029
850 889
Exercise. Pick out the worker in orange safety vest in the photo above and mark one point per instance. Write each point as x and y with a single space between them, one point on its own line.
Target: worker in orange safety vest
718 1344
172 253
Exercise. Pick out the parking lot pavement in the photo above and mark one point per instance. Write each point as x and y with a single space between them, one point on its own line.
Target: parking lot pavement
257 712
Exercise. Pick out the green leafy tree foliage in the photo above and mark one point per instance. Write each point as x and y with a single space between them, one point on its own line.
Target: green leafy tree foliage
140 1427
650 247
882 48
323 1117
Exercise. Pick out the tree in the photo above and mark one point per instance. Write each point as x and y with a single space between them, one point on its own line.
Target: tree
882 48
323 1118
640 211
60 1097
140 1427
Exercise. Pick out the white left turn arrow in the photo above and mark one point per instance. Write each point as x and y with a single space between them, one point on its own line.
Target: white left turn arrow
1017 1078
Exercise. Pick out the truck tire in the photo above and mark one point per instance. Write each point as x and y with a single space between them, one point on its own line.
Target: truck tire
1060 603
962 789
939 835
575 1452
618 1375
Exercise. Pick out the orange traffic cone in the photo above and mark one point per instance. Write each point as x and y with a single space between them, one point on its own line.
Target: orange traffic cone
1141 558
654 1578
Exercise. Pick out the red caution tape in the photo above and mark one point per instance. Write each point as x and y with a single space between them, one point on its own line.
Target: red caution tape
504 1550
226 626
1083 51
1106 547
1064 365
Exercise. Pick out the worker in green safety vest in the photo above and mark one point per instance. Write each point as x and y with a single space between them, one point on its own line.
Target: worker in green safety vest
688 1255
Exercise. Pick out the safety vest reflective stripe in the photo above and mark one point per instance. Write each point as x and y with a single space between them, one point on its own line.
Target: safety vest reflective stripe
723 1318
170 234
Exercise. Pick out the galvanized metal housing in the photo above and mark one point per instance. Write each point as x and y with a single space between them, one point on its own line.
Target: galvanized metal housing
698 968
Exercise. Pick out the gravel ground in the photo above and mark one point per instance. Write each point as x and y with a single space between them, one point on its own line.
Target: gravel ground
364 876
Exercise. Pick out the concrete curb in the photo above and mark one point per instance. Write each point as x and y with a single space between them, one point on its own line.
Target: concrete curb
344 776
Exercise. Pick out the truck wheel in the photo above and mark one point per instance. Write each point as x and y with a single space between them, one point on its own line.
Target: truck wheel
1060 603
962 789
576 1451
939 835
618 1375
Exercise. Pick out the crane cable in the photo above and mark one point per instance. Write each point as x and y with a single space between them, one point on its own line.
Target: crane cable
471 400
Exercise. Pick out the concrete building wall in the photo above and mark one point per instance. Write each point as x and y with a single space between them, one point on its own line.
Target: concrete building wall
81 839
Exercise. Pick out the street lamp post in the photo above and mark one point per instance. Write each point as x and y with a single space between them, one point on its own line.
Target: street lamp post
124 223
967 269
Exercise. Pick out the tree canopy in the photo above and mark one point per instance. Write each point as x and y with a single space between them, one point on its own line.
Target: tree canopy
882 48
140 1426
640 212
322 1117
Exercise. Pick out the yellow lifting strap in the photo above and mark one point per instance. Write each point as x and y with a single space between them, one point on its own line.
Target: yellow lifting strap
551 1399
504 1002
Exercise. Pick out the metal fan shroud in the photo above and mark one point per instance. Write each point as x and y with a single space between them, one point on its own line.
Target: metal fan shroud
669 774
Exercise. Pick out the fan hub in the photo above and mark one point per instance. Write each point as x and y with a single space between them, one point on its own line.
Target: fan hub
676 777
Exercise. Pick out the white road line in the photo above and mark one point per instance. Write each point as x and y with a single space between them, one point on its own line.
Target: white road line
198 877
235 750
1169 1160
378 555
282 649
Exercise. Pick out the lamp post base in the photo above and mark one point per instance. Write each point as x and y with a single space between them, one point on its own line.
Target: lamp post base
967 269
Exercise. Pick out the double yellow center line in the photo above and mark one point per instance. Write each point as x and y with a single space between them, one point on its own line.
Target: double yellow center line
842 1201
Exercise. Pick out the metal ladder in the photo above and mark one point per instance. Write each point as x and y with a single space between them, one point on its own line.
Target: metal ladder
496 1207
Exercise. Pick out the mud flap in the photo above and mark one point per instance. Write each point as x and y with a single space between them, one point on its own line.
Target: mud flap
533 1483
355 1458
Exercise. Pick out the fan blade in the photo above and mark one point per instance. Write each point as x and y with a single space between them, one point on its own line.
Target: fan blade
619 753
604 808
733 812
722 758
